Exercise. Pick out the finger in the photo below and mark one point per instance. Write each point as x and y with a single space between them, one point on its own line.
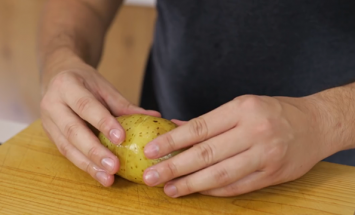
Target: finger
198 157
84 103
75 131
179 122
76 157
193 132
219 175
120 105
252 182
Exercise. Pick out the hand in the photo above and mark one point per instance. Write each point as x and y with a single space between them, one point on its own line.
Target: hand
74 97
247 144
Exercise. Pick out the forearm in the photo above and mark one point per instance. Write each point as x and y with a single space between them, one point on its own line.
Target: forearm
335 115
73 30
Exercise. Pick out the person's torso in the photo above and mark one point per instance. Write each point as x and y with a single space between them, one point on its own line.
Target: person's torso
207 52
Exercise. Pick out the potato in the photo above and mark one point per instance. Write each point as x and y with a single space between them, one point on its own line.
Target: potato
140 130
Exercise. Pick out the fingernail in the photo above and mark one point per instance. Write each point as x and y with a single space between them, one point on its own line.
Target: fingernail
102 177
108 163
170 190
151 150
115 135
151 178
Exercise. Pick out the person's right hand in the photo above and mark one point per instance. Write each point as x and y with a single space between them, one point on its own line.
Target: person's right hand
74 97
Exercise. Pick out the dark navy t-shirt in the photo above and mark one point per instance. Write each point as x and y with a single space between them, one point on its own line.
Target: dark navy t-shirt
207 52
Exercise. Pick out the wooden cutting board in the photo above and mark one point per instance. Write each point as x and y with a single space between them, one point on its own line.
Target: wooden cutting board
36 179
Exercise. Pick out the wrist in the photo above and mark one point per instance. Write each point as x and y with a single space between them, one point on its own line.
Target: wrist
318 122
60 60
330 119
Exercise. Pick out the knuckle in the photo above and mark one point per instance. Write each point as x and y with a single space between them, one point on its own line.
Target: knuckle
104 125
65 78
172 169
222 176
249 102
105 95
265 127
64 149
205 153
170 142
60 79
70 130
199 128
93 152
89 168
189 186
128 106
83 104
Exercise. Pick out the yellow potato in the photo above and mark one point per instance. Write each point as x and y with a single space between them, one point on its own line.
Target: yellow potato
140 130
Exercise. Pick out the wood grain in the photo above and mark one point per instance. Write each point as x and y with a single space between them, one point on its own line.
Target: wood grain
36 179
123 61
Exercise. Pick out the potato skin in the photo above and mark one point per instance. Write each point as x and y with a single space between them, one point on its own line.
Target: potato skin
140 130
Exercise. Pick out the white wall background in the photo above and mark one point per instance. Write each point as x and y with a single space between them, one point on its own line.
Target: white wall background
150 3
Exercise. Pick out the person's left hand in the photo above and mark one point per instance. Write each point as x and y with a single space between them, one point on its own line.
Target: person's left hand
247 144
